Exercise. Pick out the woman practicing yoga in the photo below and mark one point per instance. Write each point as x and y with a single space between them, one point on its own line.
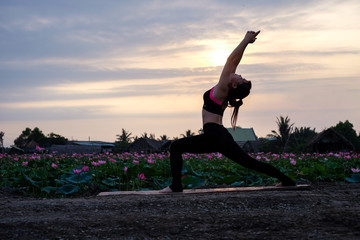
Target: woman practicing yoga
229 91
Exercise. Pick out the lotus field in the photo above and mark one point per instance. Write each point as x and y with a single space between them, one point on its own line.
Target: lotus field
54 175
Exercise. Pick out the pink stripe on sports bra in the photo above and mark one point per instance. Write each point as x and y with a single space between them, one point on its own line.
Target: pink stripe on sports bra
214 100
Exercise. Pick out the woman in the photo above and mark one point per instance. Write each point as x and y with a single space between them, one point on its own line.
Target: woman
229 91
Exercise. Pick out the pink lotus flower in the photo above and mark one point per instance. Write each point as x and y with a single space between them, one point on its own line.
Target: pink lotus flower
125 169
355 170
135 161
85 168
77 171
35 156
209 156
25 163
292 161
54 165
150 160
141 176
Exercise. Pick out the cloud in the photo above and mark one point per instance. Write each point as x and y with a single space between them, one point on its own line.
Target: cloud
69 82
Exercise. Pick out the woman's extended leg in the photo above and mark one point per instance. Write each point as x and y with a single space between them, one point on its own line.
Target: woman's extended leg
235 153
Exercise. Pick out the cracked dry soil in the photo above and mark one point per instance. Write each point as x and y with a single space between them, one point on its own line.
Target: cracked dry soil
327 211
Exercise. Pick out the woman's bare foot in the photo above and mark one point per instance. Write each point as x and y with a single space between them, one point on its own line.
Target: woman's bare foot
166 190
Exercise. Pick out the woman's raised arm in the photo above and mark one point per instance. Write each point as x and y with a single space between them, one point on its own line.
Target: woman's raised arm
235 57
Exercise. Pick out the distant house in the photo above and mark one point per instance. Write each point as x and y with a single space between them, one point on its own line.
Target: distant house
83 147
16 150
329 141
245 138
148 145
28 148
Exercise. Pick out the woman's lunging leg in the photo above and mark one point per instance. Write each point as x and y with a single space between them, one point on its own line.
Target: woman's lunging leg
176 163
195 144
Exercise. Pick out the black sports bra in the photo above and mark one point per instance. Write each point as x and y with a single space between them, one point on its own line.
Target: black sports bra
211 104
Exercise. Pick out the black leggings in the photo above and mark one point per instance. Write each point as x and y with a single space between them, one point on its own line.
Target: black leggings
216 138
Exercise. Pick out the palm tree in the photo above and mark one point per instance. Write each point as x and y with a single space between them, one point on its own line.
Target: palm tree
123 141
284 132
303 134
124 136
145 135
163 138
188 133
300 137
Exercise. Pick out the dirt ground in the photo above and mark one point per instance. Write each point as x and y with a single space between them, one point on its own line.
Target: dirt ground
327 211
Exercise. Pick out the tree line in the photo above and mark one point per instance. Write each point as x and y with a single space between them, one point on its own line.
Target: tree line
294 139
29 137
286 138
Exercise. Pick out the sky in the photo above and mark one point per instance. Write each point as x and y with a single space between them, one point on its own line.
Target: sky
87 69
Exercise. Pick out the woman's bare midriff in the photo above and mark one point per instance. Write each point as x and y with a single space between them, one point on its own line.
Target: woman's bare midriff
209 117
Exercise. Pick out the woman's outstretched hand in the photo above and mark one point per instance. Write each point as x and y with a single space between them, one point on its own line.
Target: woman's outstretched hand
250 36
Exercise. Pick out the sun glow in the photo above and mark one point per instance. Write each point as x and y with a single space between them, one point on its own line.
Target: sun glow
218 57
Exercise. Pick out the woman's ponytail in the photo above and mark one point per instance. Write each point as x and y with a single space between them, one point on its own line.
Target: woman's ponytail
235 100
236 105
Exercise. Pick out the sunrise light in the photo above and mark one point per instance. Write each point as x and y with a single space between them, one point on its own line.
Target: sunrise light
218 57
